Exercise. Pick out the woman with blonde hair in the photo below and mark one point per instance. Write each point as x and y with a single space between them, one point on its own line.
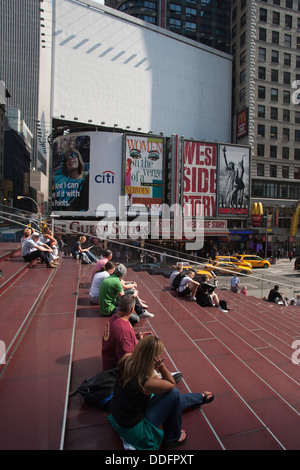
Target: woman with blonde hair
143 401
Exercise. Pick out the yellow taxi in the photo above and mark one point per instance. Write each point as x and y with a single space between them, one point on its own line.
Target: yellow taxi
198 269
232 259
220 268
256 261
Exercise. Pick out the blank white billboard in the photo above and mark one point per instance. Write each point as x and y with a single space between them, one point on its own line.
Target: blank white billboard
114 70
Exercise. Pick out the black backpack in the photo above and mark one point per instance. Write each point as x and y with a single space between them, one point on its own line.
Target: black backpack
98 390
177 280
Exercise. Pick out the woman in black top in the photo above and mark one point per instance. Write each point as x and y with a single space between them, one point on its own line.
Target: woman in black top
133 404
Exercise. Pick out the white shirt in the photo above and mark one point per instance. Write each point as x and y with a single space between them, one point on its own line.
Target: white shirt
97 279
183 283
28 245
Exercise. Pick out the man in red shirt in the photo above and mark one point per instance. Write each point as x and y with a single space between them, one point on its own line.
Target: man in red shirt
119 337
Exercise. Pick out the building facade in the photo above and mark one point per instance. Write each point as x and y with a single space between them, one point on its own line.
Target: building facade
266 67
205 21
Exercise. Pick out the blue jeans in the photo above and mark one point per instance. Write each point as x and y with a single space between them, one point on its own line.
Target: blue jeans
165 410
91 257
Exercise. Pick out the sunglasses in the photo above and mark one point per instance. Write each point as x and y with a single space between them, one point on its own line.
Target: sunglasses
71 155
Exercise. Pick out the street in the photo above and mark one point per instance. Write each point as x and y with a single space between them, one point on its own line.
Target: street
262 280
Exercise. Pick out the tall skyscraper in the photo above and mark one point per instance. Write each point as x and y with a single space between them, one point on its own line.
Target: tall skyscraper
19 55
266 67
205 21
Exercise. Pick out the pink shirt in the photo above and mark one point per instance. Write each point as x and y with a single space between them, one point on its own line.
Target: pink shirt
98 266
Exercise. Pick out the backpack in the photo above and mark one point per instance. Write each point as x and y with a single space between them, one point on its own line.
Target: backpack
223 304
177 280
84 258
97 391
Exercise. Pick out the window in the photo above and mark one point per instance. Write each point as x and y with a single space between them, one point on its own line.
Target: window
275 37
262 92
285 172
260 130
275 57
262 73
261 111
285 153
276 18
298 42
274 75
297 174
190 26
286 96
297 154
297 135
274 94
286 78
262 34
243 20
175 23
262 54
297 61
242 76
242 95
286 115
263 14
260 169
289 4
273 171
297 117
242 39
285 134
273 132
288 21
287 59
242 58
274 114
190 12
175 8
260 150
287 40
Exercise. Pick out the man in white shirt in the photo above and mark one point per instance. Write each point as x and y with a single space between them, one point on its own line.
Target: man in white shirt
188 286
31 250
97 280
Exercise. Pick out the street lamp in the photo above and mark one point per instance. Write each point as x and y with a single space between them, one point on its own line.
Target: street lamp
37 206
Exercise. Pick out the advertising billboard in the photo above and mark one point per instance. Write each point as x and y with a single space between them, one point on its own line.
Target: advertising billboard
199 178
143 173
233 181
87 173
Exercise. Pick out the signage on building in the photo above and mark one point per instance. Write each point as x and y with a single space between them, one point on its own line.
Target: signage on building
199 178
233 181
143 173
242 124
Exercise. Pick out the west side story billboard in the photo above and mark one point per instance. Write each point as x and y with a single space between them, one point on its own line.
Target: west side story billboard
215 179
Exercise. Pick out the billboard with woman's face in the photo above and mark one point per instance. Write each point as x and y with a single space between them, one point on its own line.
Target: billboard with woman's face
70 177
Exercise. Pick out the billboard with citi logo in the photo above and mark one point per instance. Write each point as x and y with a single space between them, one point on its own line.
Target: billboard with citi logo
93 169
86 172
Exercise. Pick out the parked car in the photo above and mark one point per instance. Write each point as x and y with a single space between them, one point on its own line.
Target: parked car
255 261
297 264
227 268
234 260
149 267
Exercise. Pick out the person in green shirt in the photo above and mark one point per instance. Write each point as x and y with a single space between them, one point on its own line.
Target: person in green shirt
111 290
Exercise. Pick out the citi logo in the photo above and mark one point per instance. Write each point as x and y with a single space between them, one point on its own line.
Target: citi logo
106 177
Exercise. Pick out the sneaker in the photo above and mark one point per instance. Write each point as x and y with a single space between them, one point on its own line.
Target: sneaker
146 314
222 310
